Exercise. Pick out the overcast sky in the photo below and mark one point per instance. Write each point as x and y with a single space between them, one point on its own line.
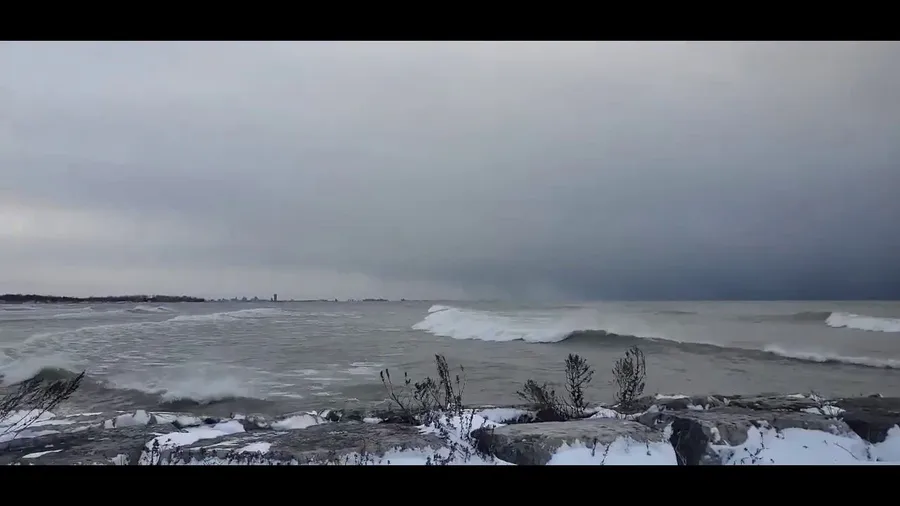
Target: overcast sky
568 170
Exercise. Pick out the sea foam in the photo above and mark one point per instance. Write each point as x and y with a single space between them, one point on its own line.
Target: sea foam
862 322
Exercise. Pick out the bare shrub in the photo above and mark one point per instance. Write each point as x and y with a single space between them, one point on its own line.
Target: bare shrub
419 399
543 399
629 374
36 396
438 404
402 397
550 406
578 375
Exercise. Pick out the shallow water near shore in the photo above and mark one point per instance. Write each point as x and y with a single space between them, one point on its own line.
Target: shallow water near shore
275 358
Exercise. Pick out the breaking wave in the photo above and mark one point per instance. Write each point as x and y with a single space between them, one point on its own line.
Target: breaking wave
584 325
828 358
833 319
166 393
862 322
48 367
243 314
448 321
141 308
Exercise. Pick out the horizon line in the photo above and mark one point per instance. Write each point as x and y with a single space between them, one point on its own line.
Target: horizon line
169 298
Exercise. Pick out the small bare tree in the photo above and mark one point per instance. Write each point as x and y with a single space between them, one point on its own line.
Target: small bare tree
439 404
552 407
578 375
543 399
428 396
629 373
35 396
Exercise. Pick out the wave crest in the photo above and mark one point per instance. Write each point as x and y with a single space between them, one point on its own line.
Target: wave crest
829 358
178 388
862 322
243 314
49 367
457 323
143 308
460 323
530 327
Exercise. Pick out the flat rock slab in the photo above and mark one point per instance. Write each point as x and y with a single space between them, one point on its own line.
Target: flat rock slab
328 443
870 417
682 403
693 431
121 446
535 443
773 403
89 438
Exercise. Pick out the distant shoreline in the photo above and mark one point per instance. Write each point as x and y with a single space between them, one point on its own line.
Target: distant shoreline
17 298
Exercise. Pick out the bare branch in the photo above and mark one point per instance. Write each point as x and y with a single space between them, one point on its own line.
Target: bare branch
36 396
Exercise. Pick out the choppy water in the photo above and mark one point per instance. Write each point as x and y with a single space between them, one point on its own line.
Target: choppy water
275 358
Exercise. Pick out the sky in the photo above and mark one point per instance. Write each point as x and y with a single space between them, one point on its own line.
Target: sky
451 170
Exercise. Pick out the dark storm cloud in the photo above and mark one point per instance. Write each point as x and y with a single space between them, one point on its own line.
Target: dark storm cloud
578 170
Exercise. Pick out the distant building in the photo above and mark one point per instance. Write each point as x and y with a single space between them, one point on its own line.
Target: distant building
275 297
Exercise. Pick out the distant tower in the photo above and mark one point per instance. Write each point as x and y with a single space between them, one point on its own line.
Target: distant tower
275 298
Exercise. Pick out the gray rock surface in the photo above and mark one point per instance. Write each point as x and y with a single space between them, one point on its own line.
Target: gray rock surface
682 403
675 403
870 417
773 403
336 443
694 431
96 445
535 443
95 438
692 425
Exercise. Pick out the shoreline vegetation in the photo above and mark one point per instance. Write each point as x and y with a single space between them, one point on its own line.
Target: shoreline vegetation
31 298
428 423
19 298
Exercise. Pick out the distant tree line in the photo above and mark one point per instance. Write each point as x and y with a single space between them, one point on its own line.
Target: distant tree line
19 298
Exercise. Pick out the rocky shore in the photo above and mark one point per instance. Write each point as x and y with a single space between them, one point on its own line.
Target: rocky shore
667 430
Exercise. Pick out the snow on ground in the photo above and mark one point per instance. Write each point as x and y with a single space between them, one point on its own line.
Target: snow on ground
764 446
38 454
670 397
298 422
189 436
503 415
889 450
456 426
138 418
52 421
418 457
602 412
809 447
622 451
22 424
181 420
120 460
824 410
16 420
258 447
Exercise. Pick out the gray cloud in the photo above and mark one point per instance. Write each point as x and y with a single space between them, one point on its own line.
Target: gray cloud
561 170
